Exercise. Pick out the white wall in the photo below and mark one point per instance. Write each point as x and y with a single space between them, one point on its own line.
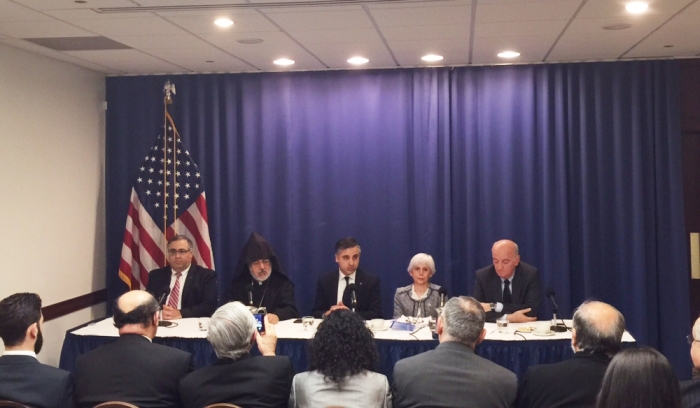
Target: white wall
52 184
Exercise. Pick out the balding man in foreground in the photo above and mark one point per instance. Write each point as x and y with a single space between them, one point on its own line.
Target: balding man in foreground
132 369
452 375
690 389
595 338
508 287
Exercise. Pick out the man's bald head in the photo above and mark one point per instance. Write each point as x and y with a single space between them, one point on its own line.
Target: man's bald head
599 328
695 345
506 245
135 308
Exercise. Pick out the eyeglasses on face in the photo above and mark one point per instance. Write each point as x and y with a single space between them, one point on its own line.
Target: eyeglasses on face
174 252
690 339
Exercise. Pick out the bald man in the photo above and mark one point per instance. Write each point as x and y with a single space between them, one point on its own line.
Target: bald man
690 390
596 337
132 369
508 286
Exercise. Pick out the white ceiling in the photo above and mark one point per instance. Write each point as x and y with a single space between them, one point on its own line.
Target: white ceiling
178 36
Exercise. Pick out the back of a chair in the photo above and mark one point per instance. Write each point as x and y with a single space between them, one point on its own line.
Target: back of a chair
115 404
222 405
12 404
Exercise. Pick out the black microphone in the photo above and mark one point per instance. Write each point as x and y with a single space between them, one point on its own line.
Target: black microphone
443 296
353 296
249 288
556 327
161 299
549 292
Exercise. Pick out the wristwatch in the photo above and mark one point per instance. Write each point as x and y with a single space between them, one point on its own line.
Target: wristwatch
492 306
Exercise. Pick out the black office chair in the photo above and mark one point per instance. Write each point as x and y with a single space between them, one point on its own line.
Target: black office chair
12 404
116 404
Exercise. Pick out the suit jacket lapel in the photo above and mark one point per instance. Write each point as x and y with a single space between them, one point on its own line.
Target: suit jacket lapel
189 282
496 287
516 287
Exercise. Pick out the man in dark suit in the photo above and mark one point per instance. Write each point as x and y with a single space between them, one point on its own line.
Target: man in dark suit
575 383
237 378
22 378
453 375
331 293
132 369
508 287
191 289
690 390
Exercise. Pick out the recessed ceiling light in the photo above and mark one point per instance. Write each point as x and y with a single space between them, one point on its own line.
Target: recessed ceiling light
431 58
637 7
619 26
283 61
508 54
358 60
223 22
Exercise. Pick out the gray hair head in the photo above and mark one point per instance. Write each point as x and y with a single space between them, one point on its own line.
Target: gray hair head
422 259
230 330
599 327
463 319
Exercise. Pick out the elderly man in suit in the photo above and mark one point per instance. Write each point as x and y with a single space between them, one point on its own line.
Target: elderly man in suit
330 290
575 383
453 375
22 378
191 289
133 369
237 377
690 390
508 287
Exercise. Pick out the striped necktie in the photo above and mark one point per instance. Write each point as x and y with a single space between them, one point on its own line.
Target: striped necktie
175 293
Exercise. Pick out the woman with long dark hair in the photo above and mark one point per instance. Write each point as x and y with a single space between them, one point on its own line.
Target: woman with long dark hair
639 378
342 362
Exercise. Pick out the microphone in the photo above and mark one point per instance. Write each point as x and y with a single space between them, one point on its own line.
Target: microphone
249 288
353 296
443 296
161 299
555 327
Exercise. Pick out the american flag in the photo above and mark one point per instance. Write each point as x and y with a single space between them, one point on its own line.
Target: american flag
167 198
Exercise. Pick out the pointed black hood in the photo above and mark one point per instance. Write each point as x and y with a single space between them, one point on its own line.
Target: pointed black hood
254 249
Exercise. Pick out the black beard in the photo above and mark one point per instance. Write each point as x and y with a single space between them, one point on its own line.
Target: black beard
39 342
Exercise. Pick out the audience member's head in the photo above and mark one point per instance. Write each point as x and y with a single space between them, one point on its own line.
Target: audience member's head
462 320
343 346
598 328
20 322
639 377
136 312
231 330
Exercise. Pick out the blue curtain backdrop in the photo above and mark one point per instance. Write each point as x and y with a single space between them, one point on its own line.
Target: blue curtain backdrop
578 163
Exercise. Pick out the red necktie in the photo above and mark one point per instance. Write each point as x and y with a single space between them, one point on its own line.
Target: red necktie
175 293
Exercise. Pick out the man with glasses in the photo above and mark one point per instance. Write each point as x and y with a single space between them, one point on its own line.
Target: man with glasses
186 289
690 390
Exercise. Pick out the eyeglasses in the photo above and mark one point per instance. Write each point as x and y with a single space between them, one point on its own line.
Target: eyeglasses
174 252
261 262
690 339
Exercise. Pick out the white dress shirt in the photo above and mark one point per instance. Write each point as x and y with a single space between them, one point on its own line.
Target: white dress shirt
342 285
183 277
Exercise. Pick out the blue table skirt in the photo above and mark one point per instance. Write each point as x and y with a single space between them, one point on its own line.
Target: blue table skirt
517 356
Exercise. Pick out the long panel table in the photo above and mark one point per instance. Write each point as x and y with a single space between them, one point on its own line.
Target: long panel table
514 350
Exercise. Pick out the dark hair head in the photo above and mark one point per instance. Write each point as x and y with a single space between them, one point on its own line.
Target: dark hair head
17 313
141 314
343 346
346 243
639 377
599 327
180 238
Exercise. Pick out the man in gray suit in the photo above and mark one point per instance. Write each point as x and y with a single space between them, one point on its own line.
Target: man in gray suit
452 375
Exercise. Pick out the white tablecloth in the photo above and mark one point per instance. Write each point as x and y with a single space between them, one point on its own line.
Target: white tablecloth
189 328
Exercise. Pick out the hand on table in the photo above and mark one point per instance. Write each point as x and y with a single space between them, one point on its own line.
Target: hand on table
519 316
339 306
170 313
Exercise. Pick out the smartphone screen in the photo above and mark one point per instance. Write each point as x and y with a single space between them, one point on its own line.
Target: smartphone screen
259 319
